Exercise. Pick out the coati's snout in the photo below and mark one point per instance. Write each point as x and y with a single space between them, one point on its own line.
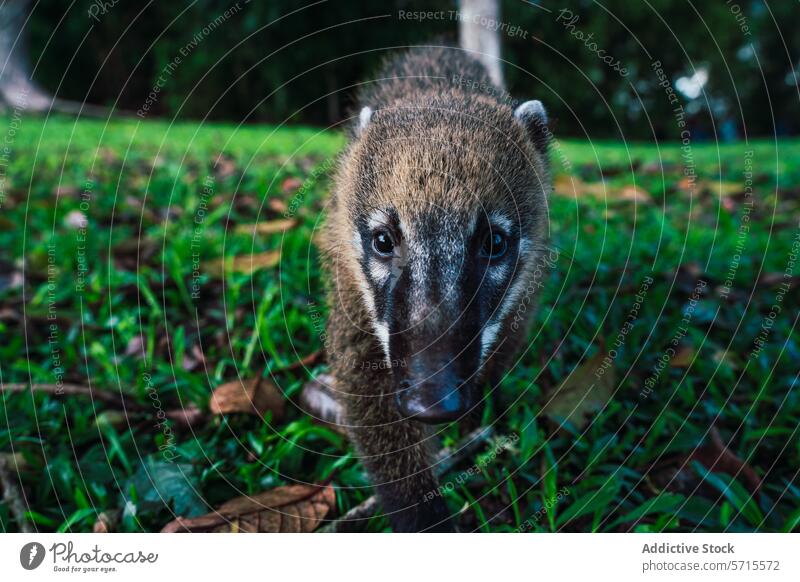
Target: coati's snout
439 346
436 279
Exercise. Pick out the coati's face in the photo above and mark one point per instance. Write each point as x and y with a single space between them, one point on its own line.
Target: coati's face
447 216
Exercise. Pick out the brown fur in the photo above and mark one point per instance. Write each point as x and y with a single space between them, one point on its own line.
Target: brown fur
432 145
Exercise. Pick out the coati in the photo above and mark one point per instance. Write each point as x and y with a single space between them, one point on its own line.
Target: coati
437 221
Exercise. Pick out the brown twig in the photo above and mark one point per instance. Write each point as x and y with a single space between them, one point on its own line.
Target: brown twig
305 362
13 496
446 459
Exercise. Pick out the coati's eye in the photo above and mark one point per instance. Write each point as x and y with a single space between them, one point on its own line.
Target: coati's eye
494 245
382 243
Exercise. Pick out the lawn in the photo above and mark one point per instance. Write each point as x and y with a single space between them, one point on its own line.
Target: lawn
658 392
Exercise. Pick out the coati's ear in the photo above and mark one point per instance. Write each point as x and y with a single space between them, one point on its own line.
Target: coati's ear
533 118
363 119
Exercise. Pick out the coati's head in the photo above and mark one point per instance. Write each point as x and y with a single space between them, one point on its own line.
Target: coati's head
441 214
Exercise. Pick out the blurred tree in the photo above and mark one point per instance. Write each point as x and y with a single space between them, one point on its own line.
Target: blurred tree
478 32
299 61
17 89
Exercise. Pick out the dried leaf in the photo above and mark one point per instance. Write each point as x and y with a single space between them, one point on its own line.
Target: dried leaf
587 389
633 194
574 187
267 227
187 416
193 358
683 358
718 458
247 264
725 189
253 396
288 509
291 185
714 187
775 279
676 473
277 205
224 166
14 461
66 190
10 276
136 347
106 523
727 358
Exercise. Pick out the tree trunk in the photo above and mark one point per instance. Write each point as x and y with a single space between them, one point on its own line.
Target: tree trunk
477 37
17 89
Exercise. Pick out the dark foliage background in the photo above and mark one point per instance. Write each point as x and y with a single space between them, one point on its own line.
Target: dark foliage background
297 60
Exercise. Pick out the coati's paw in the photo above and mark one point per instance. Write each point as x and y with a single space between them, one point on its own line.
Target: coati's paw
429 517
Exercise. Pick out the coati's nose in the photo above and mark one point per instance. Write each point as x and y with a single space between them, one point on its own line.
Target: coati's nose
442 398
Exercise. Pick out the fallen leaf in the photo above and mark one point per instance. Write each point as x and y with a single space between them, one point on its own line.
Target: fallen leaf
115 418
574 187
683 358
136 347
724 189
253 396
587 389
14 461
676 474
247 264
291 185
193 358
727 358
267 227
633 194
277 205
187 416
287 509
224 166
105 523
10 276
714 187
718 458
774 279
66 190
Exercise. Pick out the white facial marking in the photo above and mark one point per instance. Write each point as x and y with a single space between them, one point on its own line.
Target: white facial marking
512 297
376 219
379 272
382 331
488 337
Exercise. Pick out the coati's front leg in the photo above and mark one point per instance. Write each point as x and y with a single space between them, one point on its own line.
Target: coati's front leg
399 456
398 453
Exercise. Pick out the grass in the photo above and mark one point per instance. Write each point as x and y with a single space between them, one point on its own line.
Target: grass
640 463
